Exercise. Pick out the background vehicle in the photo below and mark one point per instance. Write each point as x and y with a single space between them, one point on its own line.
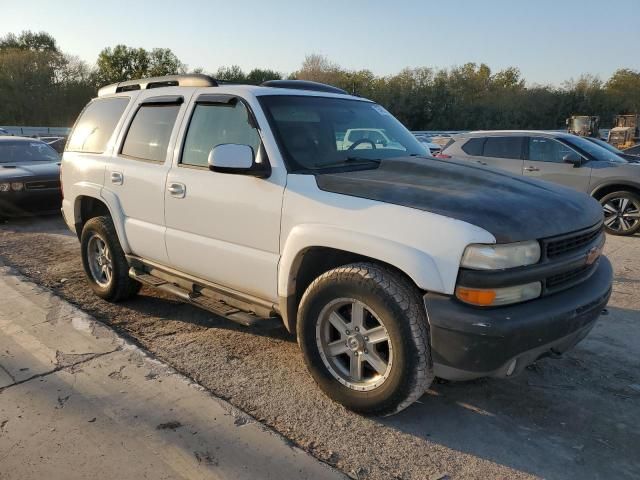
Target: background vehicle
584 125
625 132
244 201
561 158
29 177
432 148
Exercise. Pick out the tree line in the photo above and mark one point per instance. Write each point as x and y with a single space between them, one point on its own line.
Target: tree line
41 85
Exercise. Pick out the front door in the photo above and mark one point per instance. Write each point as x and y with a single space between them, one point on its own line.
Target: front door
223 227
545 160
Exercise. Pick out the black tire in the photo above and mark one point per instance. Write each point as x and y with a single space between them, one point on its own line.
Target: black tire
621 222
121 286
397 302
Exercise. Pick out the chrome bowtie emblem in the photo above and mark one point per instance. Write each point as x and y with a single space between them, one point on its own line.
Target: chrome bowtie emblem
593 254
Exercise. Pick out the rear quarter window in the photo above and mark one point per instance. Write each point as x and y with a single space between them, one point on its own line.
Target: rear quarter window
473 146
96 124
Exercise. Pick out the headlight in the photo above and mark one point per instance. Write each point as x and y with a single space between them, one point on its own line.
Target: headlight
494 297
5 187
498 257
17 186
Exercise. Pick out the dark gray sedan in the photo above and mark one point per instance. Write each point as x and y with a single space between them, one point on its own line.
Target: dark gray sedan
561 158
29 177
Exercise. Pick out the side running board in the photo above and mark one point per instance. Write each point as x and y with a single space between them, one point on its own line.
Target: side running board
213 305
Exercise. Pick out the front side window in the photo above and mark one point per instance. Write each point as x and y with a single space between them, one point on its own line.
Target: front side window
547 150
503 147
316 132
150 131
22 151
216 124
96 125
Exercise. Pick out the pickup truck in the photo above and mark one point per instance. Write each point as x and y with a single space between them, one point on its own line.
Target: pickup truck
389 266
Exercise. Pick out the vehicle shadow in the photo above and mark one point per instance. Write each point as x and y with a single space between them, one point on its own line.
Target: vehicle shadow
573 417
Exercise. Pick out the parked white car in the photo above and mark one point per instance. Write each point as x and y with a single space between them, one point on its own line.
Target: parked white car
390 267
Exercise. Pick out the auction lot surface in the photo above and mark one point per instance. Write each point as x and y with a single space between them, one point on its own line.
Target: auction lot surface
575 417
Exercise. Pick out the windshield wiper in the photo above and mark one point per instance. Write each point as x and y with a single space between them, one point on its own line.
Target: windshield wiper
349 161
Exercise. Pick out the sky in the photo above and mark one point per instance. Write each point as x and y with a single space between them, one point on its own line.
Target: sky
549 41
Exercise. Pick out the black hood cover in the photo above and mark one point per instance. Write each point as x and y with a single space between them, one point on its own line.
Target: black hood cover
511 208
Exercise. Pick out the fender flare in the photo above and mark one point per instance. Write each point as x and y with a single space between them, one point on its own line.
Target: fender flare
87 189
416 264
614 182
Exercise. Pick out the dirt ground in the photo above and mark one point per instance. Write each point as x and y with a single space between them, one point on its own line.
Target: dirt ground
576 417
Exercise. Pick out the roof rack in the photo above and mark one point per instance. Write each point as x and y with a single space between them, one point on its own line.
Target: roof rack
304 85
191 80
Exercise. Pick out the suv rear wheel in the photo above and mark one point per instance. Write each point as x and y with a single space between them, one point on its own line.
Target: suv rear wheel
104 262
363 332
621 213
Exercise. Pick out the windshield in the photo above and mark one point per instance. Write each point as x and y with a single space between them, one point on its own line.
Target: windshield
315 133
596 151
20 151
606 145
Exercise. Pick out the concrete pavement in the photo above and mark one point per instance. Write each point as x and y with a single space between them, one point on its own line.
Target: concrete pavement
77 401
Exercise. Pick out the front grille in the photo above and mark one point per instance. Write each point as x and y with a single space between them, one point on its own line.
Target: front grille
43 185
566 279
556 247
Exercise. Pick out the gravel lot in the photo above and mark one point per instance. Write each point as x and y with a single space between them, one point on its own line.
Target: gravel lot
575 417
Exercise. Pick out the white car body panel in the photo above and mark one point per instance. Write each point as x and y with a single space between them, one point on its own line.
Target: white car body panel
426 246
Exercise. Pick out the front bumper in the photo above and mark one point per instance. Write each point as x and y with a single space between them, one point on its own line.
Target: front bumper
29 202
469 342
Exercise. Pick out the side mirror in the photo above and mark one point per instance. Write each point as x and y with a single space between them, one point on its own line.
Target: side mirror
236 159
573 158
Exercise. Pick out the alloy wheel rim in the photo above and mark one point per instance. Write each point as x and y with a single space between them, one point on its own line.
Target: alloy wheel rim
100 261
621 214
354 344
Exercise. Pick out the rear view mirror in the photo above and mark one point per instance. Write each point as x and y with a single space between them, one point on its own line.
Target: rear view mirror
237 159
573 158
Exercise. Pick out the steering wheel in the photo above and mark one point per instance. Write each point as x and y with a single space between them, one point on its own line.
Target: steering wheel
360 142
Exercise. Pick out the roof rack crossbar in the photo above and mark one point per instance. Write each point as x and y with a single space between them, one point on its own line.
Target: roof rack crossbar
190 80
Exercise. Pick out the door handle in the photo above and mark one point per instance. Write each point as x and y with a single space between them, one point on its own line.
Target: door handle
117 178
177 190
531 169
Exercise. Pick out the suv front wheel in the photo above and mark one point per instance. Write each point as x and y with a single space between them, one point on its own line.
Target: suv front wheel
104 261
621 213
363 331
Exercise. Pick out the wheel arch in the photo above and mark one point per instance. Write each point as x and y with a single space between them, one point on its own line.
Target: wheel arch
312 250
606 188
88 205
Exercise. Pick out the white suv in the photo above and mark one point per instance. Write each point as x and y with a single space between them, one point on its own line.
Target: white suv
390 267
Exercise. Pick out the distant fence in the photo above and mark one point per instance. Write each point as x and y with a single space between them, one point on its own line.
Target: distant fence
40 131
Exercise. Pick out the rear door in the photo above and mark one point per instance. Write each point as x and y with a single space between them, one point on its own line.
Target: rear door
504 153
544 160
138 169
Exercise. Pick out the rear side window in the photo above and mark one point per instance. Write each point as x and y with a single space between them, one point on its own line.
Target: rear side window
473 146
216 124
503 147
96 125
149 133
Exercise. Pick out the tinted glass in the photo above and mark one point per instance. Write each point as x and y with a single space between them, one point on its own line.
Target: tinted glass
473 146
149 133
547 150
96 124
503 147
312 132
595 151
213 125
16 151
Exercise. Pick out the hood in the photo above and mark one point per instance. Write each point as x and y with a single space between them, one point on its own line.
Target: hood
511 208
20 170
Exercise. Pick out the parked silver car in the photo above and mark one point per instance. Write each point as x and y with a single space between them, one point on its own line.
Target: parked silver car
562 158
